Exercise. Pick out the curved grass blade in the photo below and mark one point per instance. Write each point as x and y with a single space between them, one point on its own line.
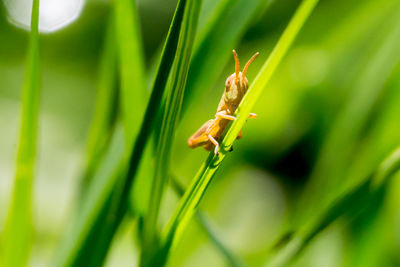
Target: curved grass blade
351 203
188 204
18 232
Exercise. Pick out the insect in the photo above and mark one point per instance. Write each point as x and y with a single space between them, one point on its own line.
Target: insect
236 86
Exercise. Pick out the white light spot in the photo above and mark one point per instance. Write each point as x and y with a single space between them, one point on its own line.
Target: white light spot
53 14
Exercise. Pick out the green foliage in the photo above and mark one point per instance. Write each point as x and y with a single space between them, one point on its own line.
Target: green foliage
347 128
17 237
352 203
314 162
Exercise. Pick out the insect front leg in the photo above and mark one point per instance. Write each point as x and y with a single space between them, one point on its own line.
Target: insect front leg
223 115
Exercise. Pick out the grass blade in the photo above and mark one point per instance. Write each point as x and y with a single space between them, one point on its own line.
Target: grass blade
105 108
18 233
133 85
172 107
188 204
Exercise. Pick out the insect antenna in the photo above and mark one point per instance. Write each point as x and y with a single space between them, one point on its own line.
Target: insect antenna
237 66
248 64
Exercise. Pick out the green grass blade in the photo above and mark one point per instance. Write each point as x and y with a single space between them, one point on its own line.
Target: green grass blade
351 203
188 204
133 85
172 107
18 232
108 197
105 108
158 89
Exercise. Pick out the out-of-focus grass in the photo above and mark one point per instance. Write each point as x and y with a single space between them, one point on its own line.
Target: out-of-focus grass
104 115
346 130
352 203
97 219
16 240
131 67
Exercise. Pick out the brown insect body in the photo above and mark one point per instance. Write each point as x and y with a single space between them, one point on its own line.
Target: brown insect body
236 86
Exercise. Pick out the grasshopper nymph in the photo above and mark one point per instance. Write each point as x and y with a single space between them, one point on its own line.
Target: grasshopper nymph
236 86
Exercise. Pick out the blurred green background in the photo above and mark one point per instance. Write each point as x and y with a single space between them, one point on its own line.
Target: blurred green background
326 120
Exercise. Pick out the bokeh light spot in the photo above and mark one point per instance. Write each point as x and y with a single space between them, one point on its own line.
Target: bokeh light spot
53 14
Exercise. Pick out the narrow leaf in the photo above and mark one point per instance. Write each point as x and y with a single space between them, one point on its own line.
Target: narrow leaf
18 232
133 85
105 107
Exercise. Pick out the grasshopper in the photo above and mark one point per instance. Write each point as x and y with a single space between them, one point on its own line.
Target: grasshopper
236 86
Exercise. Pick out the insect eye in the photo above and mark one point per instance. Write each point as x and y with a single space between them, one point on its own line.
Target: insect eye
228 84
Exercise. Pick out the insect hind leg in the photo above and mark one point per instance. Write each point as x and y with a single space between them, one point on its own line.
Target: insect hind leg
199 138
